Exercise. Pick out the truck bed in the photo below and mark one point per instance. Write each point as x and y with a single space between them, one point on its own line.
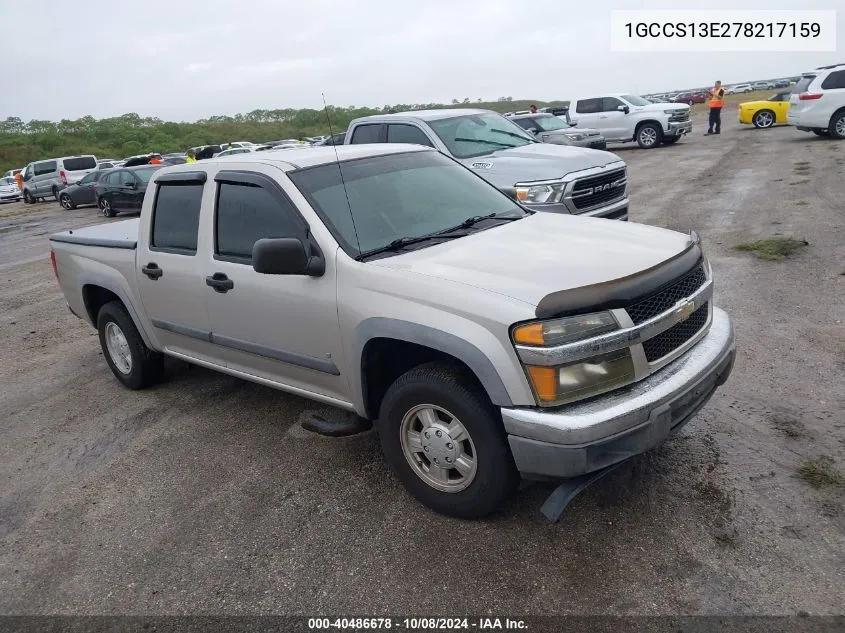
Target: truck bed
122 234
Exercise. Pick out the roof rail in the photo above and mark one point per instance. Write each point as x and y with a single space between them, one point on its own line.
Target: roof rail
831 66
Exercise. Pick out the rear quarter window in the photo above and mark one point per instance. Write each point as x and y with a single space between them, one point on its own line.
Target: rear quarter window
588 106
176 217
834 81
80 163
803 84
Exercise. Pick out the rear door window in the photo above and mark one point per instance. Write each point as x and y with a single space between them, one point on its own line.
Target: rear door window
588 106
79 163
403 133
370 133
526 124
834 81
176 218
247 213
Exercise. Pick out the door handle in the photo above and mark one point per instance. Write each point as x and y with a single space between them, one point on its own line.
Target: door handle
152 271
220 282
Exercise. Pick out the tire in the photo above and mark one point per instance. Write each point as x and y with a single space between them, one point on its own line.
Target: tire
433 398
105 208
670 140
836 129
66 202
130 360
763 119
821 132
27 197
649 135
55 192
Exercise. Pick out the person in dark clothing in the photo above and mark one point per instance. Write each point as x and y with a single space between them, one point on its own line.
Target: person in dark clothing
532 109
717 102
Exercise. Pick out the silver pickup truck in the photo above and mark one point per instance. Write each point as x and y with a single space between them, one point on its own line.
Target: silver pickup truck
484 339
543 176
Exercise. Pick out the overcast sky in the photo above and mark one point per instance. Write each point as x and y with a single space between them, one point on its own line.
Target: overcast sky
189 59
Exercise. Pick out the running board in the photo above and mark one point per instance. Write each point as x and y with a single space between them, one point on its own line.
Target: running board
343 427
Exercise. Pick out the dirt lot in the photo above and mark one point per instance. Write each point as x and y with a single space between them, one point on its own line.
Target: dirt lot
204 495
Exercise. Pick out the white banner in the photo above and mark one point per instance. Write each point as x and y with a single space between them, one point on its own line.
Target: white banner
722 31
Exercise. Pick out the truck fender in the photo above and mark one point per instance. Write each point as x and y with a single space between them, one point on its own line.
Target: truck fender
469 354
106 281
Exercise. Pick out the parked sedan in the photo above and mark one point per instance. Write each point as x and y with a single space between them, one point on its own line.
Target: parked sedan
82 192
9 191
763 114
122 190
547 128
690 98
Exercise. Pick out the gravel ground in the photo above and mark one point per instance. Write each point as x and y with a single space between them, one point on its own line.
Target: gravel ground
203 495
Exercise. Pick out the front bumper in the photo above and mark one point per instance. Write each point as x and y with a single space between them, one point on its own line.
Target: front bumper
584 437
678 128
618 210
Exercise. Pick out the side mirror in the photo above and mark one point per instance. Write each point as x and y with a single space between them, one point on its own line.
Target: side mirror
533 130
623 108
286 256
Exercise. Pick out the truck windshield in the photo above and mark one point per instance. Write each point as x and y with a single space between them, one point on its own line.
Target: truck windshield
479 134
634 100
397 196
551 123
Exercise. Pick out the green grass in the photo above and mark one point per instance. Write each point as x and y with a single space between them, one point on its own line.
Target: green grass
819 473
773 248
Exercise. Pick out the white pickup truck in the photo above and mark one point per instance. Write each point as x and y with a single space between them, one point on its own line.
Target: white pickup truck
625 118
484 339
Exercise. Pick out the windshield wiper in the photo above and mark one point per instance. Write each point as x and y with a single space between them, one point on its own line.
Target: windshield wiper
514 134
451 233
484 141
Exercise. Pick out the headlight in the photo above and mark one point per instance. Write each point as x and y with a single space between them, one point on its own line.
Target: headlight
539 193
671 112
575 137
561 384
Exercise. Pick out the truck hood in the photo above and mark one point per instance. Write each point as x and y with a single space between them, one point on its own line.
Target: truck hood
537 161
544 253
660 107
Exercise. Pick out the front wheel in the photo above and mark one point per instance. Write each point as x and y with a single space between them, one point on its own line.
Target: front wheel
130 360
105 208
27 197
66 202
55 192
764 119
446 443
837 125
649 136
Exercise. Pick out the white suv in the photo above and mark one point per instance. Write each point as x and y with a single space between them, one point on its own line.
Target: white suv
817 103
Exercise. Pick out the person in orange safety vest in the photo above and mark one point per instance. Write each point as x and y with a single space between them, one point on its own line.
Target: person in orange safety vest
716 103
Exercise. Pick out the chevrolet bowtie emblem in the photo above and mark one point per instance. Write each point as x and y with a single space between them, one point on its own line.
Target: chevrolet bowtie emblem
684 311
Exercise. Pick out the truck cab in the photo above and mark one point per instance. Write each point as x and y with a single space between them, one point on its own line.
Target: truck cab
543 176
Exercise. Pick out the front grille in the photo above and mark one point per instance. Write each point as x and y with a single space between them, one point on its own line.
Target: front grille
680 117
666 342
584 194
664 299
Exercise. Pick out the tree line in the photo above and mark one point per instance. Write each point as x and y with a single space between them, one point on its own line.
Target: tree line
130 134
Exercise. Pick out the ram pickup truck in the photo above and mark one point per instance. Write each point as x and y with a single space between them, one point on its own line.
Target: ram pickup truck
543 176
624 118
483 339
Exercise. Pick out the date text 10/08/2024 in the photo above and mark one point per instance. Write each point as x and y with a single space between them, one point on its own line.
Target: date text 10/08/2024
418 624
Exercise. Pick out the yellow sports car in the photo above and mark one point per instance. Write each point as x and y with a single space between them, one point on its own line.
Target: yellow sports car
765 113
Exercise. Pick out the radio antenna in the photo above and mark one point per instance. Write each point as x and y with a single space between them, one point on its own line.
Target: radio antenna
340 171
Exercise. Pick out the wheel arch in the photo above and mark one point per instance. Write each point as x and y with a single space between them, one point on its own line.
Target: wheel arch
644 122
97 293
385 348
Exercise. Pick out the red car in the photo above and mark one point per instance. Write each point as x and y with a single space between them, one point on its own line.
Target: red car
691 97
